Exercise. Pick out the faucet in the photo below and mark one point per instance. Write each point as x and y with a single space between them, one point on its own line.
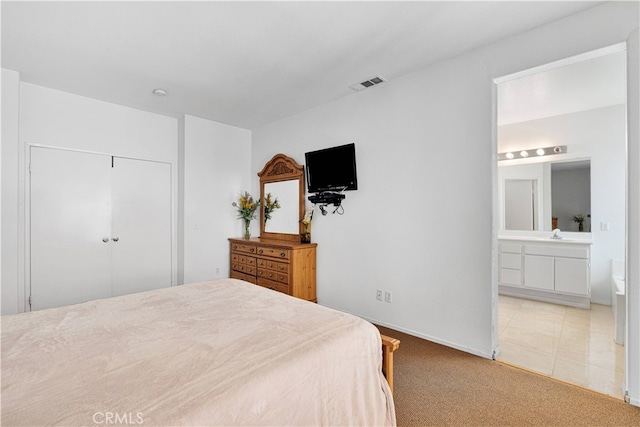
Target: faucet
556 234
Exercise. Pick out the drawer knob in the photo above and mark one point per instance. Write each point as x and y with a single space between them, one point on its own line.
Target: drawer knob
260 251
251 250
282 254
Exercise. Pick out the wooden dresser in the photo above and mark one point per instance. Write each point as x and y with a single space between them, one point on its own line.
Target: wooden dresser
284 266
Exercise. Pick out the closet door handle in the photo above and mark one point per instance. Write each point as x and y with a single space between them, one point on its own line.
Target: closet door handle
115 239
105 239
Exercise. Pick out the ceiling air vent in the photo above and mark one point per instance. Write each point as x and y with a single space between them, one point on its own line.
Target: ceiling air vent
367 83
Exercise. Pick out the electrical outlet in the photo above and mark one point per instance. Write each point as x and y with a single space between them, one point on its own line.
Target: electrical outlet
387 296
379 294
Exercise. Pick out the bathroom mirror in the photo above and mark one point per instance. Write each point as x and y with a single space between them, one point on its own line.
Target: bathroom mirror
547 195
283 178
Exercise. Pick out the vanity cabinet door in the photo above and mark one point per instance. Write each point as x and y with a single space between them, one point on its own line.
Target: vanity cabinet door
572 275
539 272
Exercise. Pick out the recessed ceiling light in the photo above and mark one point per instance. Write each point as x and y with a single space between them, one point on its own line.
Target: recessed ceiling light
160 92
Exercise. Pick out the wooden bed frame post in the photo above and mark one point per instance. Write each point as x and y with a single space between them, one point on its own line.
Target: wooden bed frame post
389 345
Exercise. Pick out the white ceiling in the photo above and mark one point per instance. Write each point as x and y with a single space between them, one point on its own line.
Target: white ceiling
580 86
246 63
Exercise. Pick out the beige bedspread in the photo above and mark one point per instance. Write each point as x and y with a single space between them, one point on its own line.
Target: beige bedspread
223 352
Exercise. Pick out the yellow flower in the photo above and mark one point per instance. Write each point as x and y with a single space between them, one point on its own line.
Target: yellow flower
246 206
270 205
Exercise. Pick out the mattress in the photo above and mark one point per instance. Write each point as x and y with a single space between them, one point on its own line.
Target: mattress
223 352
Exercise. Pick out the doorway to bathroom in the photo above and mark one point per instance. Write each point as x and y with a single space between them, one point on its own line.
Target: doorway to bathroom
561 150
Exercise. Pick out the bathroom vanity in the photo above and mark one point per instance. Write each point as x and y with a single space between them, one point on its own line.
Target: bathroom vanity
546 269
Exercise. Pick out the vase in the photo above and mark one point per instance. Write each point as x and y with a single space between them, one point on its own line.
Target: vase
305 236
247 228
580 227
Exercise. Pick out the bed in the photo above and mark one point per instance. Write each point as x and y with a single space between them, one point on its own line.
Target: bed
223 352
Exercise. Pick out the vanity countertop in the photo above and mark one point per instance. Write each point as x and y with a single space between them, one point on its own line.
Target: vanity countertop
548 239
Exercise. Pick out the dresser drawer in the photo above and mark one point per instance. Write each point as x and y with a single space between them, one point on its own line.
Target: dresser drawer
284 266
243 268
248 260
241 262
241 247
273 252
242 276
270 264
273 275
274 285
235 259
281 267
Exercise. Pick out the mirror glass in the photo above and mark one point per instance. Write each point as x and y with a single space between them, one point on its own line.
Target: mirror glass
283 178
544 196
285 219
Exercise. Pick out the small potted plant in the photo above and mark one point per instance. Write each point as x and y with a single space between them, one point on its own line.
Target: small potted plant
580 220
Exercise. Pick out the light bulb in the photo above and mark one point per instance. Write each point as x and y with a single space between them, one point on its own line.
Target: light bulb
509 155
540 152
524 153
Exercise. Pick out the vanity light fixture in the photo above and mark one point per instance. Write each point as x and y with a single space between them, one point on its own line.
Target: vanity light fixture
523 154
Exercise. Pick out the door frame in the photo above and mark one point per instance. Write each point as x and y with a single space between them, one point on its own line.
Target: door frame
495 345
24 231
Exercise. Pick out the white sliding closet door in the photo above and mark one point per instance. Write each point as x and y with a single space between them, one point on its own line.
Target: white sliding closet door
141 225
70 217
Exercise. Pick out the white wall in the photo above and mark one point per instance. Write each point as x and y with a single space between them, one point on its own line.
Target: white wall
421 223
217 161
571 192
600 135
60 119
52 117
10 126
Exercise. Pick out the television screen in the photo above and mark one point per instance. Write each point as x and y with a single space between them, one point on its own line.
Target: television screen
332 169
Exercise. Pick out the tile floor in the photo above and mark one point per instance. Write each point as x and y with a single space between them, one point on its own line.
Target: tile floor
567 343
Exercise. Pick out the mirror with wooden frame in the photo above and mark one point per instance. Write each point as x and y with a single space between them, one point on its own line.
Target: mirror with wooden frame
283 179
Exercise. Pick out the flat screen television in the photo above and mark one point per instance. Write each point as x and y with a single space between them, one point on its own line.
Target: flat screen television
332 169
